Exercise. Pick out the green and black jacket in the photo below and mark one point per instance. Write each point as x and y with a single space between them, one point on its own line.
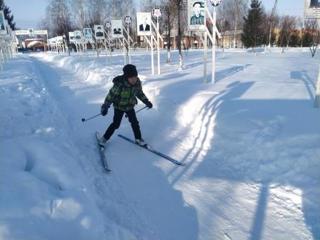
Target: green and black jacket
124 96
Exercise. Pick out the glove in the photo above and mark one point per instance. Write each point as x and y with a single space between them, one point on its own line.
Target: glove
104 109
148 104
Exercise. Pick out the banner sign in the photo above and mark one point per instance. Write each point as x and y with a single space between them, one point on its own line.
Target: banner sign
116 28
34 32
196 14
127 20
99 32
72 37
87 34
144 23
78 36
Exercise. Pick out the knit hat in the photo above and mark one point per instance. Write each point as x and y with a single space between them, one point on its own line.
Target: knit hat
130 70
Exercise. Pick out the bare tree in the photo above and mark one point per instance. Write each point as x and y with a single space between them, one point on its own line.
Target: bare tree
273 21
80 13
240 8
180 7
168 13
223 22
269 24
230 16
300 23
287 25
312 30
148 5
121 8
99 10
58 18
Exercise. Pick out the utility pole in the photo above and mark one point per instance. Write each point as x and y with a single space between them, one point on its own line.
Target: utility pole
271 19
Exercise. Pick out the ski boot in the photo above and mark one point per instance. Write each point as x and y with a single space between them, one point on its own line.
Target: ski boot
141 142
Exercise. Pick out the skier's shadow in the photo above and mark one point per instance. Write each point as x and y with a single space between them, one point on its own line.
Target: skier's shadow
163 206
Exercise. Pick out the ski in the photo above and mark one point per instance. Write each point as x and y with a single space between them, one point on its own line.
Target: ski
102 154
150 149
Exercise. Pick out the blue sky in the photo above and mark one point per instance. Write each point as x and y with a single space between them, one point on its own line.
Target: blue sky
286 7
29 13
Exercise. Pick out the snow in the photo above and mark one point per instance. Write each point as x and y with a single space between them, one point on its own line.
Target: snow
250 143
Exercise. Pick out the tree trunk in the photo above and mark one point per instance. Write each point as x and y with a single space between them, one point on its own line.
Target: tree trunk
179 35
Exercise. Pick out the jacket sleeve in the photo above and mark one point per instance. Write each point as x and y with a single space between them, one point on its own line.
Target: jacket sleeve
112 95
140 94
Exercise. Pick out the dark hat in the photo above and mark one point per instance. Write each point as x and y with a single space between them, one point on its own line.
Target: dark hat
130 70
201 4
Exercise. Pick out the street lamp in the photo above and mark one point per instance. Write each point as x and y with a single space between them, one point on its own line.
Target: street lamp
215 3
108 25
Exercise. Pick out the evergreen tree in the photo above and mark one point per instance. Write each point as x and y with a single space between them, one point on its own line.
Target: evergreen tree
307 39
295 40
7 14
2 5
252 29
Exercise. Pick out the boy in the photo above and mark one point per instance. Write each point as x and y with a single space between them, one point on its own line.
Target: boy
122 95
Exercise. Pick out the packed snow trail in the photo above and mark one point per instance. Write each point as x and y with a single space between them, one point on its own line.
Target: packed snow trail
156 219
60 192
250 144
117 206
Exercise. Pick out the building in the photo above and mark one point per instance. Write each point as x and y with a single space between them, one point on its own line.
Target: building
231 39
312 10
32 39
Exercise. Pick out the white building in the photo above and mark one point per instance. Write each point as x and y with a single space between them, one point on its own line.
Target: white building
312 10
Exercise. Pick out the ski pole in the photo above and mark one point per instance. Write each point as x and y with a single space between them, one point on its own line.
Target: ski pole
85 120
141 109
138 110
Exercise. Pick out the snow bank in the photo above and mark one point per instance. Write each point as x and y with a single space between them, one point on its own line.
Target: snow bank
44 194
250 143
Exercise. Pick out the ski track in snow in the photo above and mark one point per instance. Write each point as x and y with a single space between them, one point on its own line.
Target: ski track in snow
44 115
119 209
250 144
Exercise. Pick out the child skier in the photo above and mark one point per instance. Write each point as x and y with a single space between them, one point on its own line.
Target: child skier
122 95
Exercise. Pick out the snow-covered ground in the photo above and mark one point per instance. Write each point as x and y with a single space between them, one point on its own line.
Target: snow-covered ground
250 142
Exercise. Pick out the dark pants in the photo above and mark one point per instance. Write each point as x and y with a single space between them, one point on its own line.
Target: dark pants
117 117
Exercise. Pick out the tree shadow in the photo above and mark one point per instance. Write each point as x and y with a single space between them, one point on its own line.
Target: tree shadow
311 209
306 79
260 213
259 131
262 141
222 74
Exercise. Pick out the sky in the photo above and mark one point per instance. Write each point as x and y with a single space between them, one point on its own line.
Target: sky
286 7
29 13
